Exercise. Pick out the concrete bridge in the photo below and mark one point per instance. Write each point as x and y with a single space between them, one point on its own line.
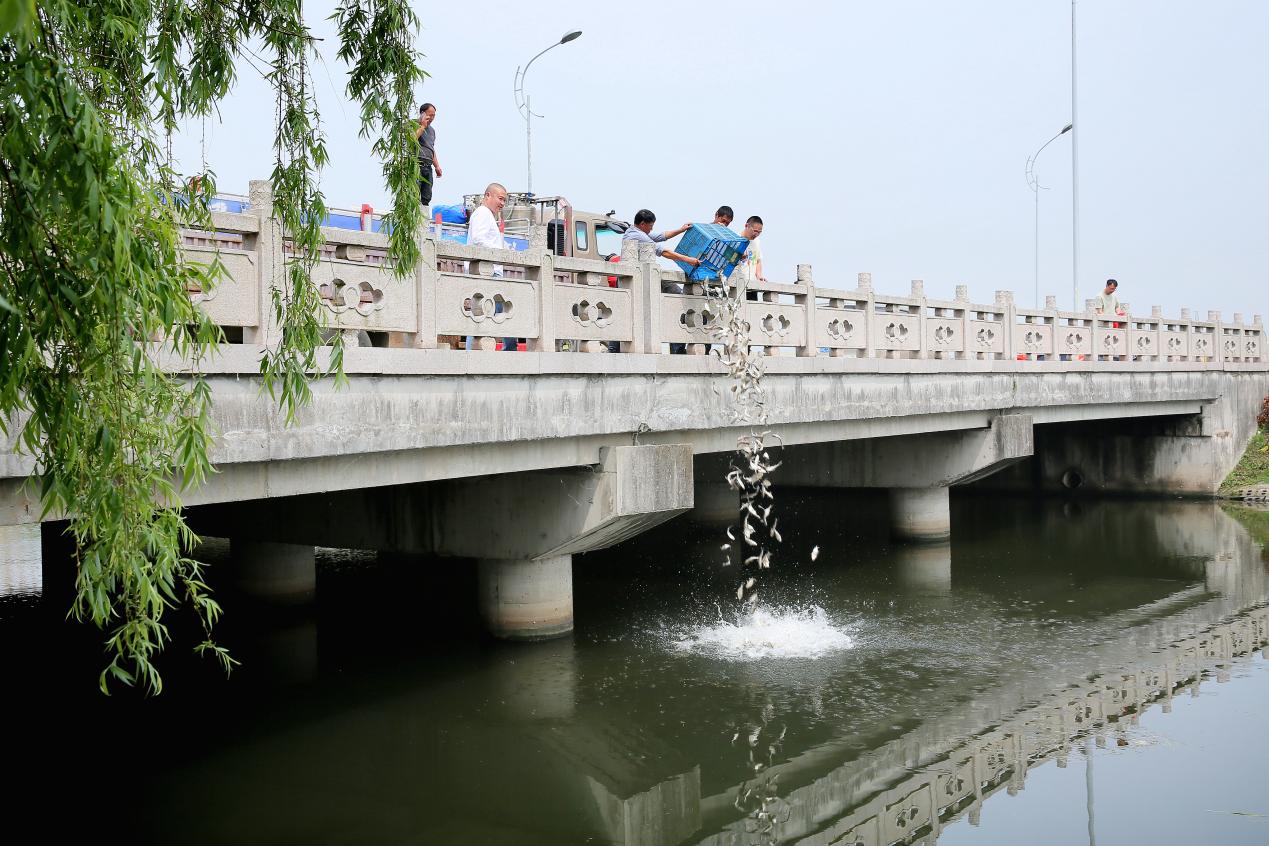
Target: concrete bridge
523 460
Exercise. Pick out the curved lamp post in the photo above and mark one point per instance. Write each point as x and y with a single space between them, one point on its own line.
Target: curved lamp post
1033 182
522 101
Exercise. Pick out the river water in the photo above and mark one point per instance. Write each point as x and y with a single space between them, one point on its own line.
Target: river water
1062 672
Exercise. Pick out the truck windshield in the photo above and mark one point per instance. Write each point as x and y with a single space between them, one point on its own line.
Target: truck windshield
607 242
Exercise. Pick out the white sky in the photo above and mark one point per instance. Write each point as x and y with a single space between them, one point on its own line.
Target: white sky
888 137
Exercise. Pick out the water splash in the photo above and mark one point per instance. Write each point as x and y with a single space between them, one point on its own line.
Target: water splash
768 633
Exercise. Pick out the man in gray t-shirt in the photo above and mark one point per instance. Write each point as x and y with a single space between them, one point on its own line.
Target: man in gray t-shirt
426 136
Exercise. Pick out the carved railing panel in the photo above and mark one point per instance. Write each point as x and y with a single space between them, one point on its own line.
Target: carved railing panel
841 328
593 313
1074 338
234 300
776 324
1144 342
686 319
361 295
893 330
486 306
986 336
945 332
1202 342
1035 337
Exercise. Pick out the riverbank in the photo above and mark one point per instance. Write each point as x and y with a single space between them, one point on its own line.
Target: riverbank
1249 480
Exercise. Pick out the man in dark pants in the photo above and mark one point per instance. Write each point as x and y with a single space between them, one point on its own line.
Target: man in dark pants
426 136
641 232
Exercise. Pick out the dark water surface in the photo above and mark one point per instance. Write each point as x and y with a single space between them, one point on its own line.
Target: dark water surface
1060 673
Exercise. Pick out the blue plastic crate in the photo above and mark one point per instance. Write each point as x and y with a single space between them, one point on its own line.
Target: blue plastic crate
718 248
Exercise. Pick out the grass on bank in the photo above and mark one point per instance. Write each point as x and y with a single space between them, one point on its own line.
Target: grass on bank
1253 468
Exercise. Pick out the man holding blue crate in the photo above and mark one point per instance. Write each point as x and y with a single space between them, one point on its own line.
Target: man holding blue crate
641 232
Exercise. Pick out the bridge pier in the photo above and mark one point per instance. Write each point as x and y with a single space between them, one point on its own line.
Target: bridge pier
279 572
917 470
528 599
523 529
920 514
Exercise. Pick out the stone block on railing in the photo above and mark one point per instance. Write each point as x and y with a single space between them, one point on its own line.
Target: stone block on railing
1050 302
945 335
1033 339
234 300
486 306
775 324
358 295
1075 341
804 274
1145 342
841 328
598 314
864 282
895 331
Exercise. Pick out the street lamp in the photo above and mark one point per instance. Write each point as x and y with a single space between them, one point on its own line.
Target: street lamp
522 101
1033 182
1075 180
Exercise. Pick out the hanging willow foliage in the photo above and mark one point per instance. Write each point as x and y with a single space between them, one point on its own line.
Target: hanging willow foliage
91 268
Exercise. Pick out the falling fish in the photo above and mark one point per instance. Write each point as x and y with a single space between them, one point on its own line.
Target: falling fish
740 592
815 553
750 583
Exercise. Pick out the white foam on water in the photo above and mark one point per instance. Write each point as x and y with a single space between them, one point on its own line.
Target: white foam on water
768 633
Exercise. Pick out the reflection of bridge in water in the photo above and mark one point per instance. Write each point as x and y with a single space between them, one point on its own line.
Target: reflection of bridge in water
912 787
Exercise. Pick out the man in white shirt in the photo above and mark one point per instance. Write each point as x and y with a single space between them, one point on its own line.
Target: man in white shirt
749 269
483 231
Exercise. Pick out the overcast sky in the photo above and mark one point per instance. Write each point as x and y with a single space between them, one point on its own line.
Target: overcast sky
888 137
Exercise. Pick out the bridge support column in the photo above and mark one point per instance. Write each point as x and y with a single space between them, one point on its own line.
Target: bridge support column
920 514
527 600
281 572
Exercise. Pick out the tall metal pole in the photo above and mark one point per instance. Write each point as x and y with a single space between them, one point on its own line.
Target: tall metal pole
522 103
1033 182
1037 246
1075 178
528 143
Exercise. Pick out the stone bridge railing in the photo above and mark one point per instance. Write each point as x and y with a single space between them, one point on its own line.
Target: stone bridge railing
634 306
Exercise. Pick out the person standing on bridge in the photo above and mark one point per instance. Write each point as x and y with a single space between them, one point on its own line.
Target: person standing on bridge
483 231
1108 303
641 232
425 134
749 269
724 216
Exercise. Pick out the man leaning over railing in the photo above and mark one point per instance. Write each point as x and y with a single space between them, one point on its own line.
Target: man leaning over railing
641 232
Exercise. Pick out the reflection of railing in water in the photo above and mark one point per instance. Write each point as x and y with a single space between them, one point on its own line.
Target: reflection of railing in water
924 802
556 297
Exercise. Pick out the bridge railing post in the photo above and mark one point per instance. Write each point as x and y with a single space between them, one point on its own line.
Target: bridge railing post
863 284
426 279
267 332
545 270
918 294
808 348
646 287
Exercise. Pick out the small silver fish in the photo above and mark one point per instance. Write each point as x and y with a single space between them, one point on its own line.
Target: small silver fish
815 553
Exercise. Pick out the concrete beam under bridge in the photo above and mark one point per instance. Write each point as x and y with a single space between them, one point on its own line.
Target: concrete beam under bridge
917 470
523 528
